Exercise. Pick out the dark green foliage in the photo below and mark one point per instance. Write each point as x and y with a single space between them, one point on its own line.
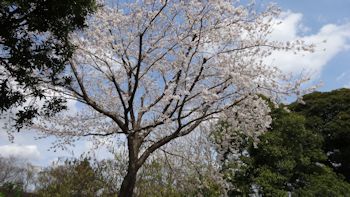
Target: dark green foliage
11 189
34 48
327 184
328 114
288 158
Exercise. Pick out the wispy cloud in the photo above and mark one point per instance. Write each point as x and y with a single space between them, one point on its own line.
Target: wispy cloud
330 40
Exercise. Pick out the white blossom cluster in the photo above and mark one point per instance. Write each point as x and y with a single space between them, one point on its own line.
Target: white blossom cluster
252 116
159 69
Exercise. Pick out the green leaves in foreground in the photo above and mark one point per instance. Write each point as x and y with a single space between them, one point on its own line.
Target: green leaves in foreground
35 48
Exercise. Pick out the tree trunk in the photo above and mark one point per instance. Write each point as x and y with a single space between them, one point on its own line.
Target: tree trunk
129 181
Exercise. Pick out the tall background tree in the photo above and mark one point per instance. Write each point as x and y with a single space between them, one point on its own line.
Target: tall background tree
328 114
154 71
34 49
304 153
289 159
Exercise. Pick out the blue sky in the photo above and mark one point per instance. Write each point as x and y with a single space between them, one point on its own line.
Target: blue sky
311 20
315 15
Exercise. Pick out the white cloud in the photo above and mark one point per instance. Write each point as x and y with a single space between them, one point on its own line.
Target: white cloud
22 151
337 39
288 27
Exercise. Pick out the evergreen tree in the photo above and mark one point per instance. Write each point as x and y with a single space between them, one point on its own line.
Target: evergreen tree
34 48
328 114
288 159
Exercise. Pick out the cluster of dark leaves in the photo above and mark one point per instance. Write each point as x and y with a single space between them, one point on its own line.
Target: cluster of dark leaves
34 50
304 153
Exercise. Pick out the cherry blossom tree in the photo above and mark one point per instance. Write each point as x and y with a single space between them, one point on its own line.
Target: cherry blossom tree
154 71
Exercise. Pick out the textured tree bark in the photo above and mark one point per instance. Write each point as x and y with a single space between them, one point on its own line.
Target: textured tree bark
129 181
128 185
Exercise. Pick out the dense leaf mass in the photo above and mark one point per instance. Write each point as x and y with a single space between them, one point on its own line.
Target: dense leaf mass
34 47
328 113
304 153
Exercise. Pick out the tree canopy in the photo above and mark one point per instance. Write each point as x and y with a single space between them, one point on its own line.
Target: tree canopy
328 114
297 155
34 49
154 71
